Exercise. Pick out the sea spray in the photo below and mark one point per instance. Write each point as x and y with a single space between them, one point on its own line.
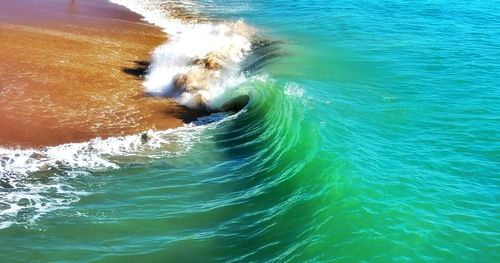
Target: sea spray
174 70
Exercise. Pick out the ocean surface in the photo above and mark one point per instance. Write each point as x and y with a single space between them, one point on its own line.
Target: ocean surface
372 133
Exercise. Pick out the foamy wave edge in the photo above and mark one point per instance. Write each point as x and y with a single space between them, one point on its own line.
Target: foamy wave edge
98 154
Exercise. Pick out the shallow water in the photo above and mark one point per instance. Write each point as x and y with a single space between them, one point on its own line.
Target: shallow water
372 134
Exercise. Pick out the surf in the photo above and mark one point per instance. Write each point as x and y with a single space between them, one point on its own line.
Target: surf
203 65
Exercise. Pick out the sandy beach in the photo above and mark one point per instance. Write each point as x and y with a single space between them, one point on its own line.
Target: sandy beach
72 71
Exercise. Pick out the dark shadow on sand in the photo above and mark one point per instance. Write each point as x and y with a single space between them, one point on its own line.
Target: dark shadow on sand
139 70
186 114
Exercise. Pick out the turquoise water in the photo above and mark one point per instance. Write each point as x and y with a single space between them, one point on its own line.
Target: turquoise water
372 135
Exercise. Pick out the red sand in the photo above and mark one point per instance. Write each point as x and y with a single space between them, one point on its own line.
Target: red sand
70 71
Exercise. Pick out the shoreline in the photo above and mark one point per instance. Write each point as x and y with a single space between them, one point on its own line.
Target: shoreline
72 71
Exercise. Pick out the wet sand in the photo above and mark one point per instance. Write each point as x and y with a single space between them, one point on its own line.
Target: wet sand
72 70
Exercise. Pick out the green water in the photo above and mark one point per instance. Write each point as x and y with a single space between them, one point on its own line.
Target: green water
373 135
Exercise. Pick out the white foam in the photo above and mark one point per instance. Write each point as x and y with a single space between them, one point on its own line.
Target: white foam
229 41
28 200
98 154
293 90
